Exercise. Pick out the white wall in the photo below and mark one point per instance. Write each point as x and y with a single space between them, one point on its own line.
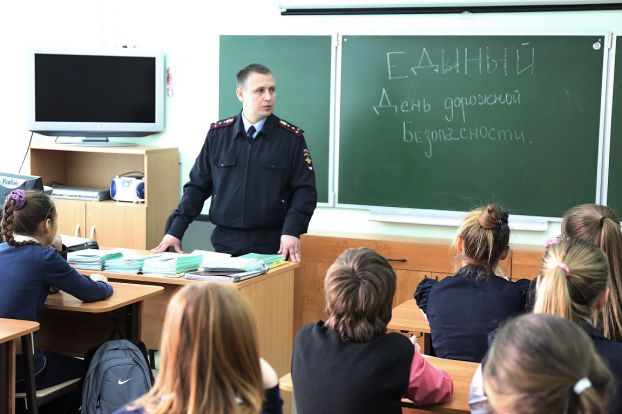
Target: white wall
188 33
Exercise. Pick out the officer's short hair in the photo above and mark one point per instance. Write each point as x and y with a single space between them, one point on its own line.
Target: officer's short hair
245 72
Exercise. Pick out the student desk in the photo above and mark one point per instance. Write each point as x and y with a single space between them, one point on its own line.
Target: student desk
70 326
461 373
10 330
271 296
407 317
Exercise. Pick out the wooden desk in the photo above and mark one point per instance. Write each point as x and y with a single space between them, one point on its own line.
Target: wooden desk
271 296
408 317
461 373
90 324
10 330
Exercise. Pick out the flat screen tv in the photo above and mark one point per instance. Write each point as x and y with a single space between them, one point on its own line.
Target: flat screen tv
96 94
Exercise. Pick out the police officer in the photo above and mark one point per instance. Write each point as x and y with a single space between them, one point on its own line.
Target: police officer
259 173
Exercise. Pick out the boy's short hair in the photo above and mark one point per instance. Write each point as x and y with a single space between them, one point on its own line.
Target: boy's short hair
359 287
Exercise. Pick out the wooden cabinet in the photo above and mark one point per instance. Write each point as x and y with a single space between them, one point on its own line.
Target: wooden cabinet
111 223
411 258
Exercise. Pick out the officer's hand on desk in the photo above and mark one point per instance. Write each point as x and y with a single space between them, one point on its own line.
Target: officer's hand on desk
97 277
290 247
168 241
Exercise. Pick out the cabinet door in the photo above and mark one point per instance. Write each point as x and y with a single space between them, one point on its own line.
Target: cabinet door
71 217
117 224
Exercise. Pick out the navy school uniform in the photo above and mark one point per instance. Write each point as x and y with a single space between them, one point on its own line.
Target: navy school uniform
463 309
26 274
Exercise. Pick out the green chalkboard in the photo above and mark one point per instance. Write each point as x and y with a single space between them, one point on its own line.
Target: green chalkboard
452 122
614 186
302 68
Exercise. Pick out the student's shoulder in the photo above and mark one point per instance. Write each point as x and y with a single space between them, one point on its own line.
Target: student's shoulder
397 344
311 329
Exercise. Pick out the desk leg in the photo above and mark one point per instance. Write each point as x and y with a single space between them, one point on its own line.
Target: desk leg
134 316
31 387
7 377
427 344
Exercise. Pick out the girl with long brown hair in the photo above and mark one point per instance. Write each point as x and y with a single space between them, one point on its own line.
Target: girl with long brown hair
600 225
546 364
209 358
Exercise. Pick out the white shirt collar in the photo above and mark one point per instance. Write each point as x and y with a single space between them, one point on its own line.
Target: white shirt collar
258 125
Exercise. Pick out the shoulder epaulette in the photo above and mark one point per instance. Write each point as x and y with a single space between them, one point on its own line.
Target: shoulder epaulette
291 128
222 123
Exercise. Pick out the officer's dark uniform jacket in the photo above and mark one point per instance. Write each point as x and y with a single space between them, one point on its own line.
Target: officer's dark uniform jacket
269 184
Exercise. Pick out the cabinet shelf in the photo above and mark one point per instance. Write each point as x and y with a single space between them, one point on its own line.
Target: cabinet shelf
112 223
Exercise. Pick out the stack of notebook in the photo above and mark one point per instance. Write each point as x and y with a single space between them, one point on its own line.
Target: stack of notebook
130 263
270 260
172 264
91 259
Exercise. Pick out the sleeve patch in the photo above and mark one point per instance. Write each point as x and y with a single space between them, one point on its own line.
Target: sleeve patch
222 123
306 155
291 128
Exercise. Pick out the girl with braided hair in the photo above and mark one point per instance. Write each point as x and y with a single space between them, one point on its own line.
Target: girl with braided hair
30 264
464 308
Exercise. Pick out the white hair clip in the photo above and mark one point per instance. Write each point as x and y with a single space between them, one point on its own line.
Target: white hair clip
581 385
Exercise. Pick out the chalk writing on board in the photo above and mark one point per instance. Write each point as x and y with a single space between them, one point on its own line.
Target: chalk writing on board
514 61
451 113
482 133
451 103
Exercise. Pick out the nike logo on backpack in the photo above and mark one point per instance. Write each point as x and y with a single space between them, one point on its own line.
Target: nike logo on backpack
123 382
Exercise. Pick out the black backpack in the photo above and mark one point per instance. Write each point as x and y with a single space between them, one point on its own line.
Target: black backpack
118 373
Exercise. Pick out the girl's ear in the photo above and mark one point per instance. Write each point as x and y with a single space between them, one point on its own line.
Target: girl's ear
505 253
460 245
601 300
47 226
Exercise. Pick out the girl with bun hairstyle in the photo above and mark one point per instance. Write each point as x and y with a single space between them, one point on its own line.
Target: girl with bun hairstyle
546 364
464 308
600 225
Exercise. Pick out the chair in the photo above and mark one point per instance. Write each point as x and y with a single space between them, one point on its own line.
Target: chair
33 398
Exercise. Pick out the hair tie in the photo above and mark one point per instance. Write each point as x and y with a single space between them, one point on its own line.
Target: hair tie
602 220
19 196
582 385
551 241
564 267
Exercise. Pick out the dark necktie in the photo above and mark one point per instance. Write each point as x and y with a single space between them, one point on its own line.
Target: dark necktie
250 133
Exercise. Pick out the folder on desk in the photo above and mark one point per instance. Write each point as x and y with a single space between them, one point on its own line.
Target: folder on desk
230 276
